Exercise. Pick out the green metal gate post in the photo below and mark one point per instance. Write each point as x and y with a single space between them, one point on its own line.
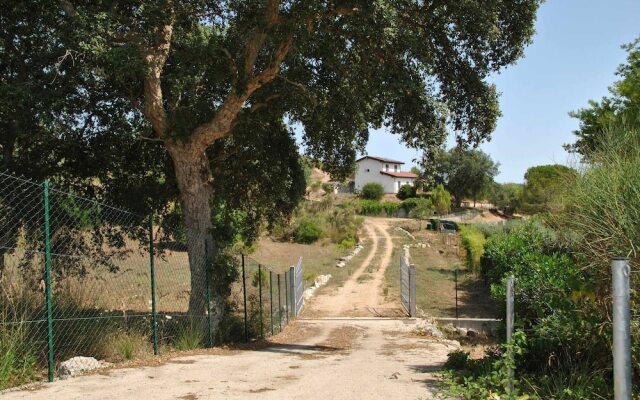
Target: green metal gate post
271 298
260 299
47 277
244 292
279 306
152 272
286 297
208 283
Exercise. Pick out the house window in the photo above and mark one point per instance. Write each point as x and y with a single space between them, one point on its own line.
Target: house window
395 168
386 167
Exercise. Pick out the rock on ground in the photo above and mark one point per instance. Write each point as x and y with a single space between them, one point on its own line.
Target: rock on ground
77 365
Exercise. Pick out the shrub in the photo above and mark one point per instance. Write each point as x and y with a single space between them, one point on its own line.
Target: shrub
189 337
128 345
409 204
441 199
17 362
327 187
473 242
307 232
347 244
390 208
369 207
372 191
406 192
260 277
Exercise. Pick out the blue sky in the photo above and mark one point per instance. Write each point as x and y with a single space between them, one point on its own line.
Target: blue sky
573 58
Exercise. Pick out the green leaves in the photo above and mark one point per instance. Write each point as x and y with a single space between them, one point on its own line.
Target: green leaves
621 107
466 173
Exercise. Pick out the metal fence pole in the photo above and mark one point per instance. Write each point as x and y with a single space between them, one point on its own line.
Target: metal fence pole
286 297
413 306
456 280
510 318
621 329
207 267
271 298
244 292
152 272
292 290
260 298
47 278
279 306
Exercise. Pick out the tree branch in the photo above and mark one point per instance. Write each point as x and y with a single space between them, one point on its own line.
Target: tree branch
156 57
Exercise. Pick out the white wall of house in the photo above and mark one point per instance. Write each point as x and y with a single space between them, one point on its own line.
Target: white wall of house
368 170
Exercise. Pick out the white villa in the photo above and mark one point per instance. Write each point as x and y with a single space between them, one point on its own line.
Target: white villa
384 171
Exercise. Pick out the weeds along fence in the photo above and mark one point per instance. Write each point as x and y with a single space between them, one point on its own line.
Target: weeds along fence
83 278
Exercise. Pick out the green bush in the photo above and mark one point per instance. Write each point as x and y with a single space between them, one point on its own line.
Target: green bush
307 232
390 208
441 199
260 277
409 204
369 207
347 244
372 191
406 192
567 352
327 187
473 242
17 362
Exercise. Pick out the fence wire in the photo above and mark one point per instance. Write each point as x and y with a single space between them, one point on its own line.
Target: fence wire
120 285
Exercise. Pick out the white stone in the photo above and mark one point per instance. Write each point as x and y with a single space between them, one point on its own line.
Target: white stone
77 365
462 331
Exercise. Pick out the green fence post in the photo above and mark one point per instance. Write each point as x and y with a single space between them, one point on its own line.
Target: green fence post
47 277
208 283
271 299
286 297
244 292
260 299
154 315
279 306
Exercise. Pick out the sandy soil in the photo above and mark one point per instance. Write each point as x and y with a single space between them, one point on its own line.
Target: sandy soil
361 295
336 357
343 359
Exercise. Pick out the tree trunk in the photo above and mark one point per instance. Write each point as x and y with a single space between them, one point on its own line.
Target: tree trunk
193 176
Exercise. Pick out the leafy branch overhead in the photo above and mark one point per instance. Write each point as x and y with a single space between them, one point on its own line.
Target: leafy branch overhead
194 100
194 70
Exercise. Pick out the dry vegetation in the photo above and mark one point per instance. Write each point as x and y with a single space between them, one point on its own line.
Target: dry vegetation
435 269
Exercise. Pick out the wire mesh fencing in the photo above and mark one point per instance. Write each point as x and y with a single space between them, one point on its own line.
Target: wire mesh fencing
269 298
82 278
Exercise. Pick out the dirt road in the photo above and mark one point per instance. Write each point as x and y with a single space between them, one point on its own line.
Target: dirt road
335 357
361 295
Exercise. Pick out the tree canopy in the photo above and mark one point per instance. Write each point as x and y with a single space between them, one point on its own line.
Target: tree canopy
622 107
192 100
467 173
506 196
544 188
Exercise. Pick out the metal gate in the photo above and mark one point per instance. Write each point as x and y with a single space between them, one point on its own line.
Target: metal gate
296 289
408 287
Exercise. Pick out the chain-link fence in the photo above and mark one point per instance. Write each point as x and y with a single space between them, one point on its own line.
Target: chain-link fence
83 278
270 299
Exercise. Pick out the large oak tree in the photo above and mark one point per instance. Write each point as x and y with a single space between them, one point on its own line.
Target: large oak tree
192 74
